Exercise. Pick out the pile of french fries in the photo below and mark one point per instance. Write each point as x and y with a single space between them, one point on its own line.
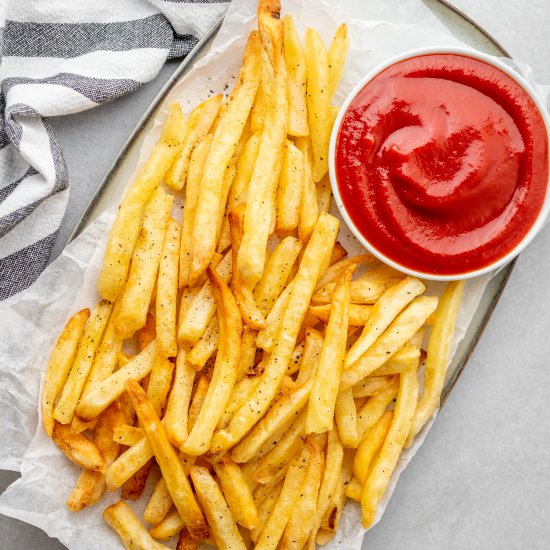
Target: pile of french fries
271 376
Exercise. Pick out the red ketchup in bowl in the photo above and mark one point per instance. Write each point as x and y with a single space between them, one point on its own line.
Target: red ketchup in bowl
441 162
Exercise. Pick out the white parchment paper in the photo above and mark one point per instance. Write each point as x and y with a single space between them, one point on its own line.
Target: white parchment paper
31 321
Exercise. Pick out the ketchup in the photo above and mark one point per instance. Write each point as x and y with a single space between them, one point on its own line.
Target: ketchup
442 163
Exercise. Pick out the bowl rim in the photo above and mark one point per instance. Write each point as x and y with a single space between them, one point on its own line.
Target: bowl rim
417 52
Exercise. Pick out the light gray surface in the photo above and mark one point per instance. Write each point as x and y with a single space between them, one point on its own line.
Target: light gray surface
482 478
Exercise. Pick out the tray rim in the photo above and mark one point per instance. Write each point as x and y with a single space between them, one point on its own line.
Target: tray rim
186 63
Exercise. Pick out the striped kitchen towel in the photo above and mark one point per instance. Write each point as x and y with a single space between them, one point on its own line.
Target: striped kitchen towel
60 57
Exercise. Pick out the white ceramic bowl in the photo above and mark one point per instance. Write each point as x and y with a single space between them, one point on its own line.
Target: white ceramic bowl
495 62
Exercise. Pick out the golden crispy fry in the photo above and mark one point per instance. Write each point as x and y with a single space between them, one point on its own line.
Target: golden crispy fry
318 98
160 381
78 448
237 493
138 292
362 292
337 52
201 390
176 413
384 311
289 191
101 397
217 512
316 255
369 414
258 112
292 489
384 464
309 209
91 484
439 353
251 315
206 346
60 365
224 143
337 269
297 74
248 353
196 168
202 307
370 446
225 368
303 514
310 359
127 435
159 504
168 461
170 526
282 412
358 314
401 329
128 463
133 488
372 385
276 273
126 227
266 337
321 406
403 360
132 533
245 165
167 292
345 415
329 484
82 363
324 193
260 203
199 123
224 233
241 392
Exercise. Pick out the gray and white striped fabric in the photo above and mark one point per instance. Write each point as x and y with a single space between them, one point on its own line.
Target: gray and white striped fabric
59 57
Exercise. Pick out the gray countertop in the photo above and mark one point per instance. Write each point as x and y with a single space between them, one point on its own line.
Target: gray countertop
481 481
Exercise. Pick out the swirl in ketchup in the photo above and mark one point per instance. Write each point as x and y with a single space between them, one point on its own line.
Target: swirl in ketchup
442 163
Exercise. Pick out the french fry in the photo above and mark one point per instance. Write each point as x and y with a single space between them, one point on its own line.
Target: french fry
159 504
258 112
225 369
133 488
317 101
186 542
362 291
176 413
283 411
206 345
297 74
302 517
266 506
369 414
131 531
384 464
437 359
126 227
338 253
168 461
224 143
60 364
167 292
241 392
316 255
281 454
251 315
170 526
248 353
309 209
127 435
405 359
266 338
331 477
91 484
345 415
370 446
260 201
82 364
221 522
324 193
400 330
291 491
313 347
237 493
336 54
78 448
199 123
372 385
337 269
101 397
224 233
276 273
201 390
289 191
354 489
384 311
196 168
358 314
160 381
138 291
325 388
202 308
